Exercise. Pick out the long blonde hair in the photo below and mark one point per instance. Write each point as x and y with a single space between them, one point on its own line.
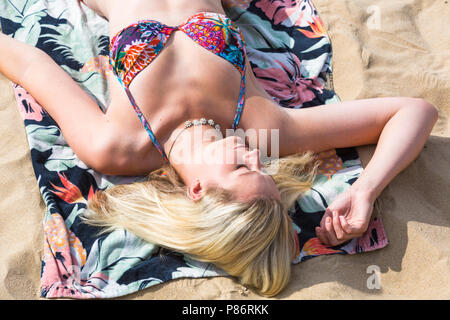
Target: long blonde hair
253 241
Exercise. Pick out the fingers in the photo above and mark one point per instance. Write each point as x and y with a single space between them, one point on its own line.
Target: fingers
320 230
334 229
331 234
325 215
340 233
345 226
321 236
353 230
327 235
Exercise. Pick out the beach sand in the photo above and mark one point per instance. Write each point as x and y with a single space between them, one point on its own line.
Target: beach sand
381 48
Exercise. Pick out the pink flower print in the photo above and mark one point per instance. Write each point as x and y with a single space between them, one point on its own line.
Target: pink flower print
280 10
373 238
64 256
28 106
287 85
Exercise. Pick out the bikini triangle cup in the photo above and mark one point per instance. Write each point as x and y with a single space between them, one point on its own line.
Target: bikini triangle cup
134 48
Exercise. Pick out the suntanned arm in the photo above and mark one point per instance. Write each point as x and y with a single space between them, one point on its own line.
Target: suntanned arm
83 124
399 127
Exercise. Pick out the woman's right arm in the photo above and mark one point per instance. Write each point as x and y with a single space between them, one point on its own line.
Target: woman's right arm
82 122
15 56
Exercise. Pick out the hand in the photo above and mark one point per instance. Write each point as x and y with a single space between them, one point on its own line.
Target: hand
347 217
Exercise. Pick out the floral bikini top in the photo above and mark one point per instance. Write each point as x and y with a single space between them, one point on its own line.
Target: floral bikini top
135 47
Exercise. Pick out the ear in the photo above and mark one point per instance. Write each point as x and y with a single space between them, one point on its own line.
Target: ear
196 190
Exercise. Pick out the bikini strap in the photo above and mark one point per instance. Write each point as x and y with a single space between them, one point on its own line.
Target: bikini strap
241 101
144 121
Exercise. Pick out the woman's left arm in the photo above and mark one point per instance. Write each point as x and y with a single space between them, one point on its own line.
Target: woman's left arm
399 127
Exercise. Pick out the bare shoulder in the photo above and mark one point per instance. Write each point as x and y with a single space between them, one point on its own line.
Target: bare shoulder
263 122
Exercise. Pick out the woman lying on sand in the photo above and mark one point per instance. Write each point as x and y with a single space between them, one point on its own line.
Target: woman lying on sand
174 103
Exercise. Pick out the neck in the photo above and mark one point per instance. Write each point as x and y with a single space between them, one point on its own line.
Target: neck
187 148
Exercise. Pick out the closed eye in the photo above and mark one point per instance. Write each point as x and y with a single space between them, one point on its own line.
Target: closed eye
240 166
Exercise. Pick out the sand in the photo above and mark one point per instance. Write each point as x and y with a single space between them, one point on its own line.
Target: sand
381 48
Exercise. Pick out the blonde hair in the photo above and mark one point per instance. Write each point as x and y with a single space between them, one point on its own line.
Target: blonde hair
253 241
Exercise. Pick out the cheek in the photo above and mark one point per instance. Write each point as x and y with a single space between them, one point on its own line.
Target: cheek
216 175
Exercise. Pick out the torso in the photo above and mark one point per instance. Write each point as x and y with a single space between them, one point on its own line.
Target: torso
185 81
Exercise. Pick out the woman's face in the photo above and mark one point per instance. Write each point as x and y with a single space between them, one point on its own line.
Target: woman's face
228 163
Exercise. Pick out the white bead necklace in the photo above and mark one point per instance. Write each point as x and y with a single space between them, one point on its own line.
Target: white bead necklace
195 122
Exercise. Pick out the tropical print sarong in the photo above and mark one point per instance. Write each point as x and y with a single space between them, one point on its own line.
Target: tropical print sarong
290 55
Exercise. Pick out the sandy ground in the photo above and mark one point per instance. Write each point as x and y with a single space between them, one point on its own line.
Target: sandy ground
381 48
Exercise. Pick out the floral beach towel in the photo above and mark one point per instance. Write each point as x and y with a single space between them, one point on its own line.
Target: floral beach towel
290 55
